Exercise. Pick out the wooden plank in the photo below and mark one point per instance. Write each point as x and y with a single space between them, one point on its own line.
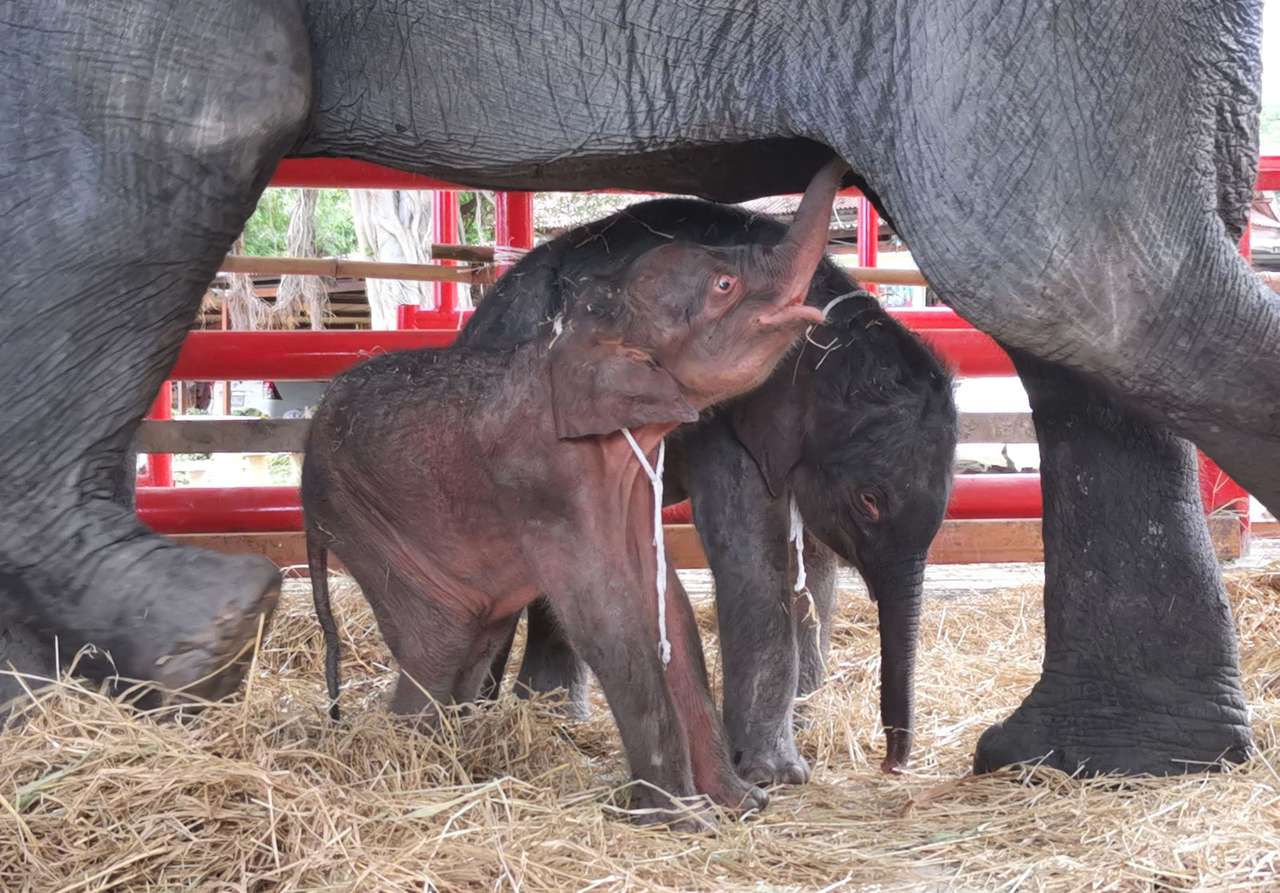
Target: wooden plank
1265 529
959 542
284 549
329 266
223 436
997 427
885 276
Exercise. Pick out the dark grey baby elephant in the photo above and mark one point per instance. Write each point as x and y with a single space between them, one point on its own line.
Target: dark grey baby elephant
856 430
459 485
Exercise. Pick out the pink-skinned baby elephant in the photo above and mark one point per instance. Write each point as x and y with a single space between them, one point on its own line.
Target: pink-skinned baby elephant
459 485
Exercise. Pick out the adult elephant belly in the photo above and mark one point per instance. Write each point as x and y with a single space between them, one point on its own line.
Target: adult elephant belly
680 98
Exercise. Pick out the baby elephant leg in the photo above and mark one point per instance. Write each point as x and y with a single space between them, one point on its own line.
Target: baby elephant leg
431 643
613 628
475 680
669 726
713 772
550 663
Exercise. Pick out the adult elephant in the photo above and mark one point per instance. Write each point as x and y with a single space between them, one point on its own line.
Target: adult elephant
1071 176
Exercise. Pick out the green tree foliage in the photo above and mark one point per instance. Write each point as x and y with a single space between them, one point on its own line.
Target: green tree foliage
476 232
265 233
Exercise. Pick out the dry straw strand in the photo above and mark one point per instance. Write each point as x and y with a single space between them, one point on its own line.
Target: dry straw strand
264 793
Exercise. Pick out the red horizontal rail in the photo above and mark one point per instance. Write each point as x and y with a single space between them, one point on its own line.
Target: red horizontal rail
285 356
929 317
348 173
174 510
304 356
1269 172
970 353
982 496
220 509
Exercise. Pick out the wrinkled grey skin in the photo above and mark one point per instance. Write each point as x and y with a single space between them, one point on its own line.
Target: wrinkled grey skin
1072 177
862 434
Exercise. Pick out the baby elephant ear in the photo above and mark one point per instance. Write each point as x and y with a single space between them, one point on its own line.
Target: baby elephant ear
769 423
600 386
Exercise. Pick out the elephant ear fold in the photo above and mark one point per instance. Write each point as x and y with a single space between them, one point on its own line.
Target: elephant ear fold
769 424
599 386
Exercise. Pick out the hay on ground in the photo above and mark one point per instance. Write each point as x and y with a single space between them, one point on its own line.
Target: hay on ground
265 793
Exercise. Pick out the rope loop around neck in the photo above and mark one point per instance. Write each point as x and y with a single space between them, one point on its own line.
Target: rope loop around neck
659 539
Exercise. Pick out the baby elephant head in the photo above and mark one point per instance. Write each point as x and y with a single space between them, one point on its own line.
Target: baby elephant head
684 325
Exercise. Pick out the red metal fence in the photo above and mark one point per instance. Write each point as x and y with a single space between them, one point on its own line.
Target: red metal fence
320 355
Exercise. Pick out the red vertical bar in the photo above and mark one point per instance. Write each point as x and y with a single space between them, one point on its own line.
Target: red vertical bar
1219 492
868 238
159 471
445 209
514 221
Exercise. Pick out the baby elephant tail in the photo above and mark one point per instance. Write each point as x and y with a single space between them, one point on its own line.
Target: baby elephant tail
318 561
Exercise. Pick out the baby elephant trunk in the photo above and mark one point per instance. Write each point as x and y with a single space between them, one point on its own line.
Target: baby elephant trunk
898 591
792 261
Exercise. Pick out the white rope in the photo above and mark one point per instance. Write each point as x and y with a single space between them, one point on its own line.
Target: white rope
796 537
659 544
826 310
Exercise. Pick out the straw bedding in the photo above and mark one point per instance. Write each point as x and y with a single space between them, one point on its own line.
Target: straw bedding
264 793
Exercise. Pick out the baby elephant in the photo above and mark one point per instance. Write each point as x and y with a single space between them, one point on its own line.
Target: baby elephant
459 485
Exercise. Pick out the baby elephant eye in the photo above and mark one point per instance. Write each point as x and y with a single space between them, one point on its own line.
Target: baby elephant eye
725 282
870 505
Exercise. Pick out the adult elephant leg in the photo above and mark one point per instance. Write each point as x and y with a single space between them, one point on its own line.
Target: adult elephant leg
550 663
1140 656
744 532
25 660
125 191
1094 226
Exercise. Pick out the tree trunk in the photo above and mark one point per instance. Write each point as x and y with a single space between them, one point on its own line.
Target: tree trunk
393 227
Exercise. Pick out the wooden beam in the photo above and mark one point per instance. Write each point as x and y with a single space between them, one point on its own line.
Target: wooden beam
959 542
223 436
1265 529
885 276
472 254
997 427
360 269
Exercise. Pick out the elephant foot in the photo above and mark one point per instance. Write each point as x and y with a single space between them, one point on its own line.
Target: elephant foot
154 612
652 807
551 666
570 701
735 795
22 653
195 637
1151 726
779 763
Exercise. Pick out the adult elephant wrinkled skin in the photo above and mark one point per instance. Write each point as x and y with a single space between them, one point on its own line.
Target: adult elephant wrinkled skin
1072 177
858 426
